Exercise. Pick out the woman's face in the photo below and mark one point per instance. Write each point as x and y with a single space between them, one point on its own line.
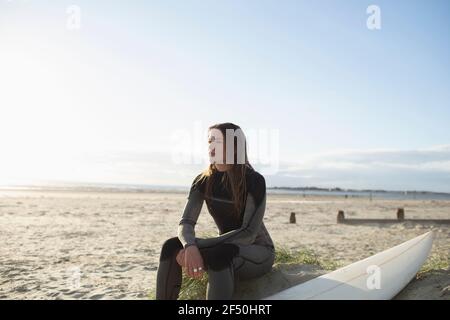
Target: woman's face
216 149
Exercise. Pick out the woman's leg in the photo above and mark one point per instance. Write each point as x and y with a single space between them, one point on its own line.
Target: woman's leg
169 275
218 261
251 261
220 284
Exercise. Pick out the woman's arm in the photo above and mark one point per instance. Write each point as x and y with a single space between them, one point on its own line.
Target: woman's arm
186 232
246 234
191 259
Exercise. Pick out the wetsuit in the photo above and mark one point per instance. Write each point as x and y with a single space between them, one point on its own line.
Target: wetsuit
242 250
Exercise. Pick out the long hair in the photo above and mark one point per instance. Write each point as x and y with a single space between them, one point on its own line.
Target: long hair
234 179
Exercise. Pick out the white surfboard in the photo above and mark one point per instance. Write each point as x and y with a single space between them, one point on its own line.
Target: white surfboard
381 276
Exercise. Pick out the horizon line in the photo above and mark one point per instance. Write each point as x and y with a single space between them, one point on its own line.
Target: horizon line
118 185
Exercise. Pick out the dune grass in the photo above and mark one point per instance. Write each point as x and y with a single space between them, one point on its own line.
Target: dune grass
436 261
304 256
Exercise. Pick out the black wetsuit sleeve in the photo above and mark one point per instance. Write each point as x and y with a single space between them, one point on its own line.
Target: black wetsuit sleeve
252 219
186 226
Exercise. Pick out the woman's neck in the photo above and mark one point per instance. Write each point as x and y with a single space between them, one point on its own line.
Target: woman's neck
223 167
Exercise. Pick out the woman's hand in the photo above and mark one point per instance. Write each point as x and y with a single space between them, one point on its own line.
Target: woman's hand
193 262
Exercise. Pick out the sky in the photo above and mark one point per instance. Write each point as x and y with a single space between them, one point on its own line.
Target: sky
123 92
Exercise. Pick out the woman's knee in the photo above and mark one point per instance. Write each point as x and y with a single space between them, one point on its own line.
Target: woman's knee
170 247
219 257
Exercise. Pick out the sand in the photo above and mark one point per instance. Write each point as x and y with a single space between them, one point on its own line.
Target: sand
93 245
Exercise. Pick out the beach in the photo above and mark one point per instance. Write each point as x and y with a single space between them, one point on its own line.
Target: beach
106 245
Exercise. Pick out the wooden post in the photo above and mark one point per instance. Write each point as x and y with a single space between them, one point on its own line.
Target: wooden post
292 218
340 216
400 214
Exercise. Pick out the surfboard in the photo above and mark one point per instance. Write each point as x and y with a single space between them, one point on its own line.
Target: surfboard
378 277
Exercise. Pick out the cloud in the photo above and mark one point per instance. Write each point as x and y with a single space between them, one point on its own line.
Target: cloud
420 169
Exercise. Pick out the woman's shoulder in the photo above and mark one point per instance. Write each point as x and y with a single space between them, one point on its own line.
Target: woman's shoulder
254 176
199 183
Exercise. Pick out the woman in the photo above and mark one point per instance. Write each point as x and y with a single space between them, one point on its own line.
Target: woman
235 195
